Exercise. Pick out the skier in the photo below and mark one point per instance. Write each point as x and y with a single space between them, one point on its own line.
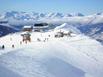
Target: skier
13 46
3 47
69 33
44 40
48 35
47 39
20 42
10 39
38 39
26 41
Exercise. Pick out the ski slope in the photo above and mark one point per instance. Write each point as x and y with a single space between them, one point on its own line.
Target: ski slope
76 56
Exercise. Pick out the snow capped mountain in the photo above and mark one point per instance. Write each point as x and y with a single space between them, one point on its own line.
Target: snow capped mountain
58 15
99 13
77 56
18 15
42 15
34 15
54 15
5 28
49 15
94 31
75 14
68 15
11 14
79 14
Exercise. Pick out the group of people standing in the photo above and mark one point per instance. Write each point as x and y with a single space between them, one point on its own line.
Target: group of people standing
43 39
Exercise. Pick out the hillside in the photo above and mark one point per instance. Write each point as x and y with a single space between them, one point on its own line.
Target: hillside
76 56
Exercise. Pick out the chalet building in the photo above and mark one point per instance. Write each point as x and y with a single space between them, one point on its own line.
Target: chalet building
40 27
27 28
26 36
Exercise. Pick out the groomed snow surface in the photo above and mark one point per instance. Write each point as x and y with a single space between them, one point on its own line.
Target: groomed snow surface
76 56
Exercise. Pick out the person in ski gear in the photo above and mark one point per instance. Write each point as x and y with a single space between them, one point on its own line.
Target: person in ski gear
20 42
3 47
13 46
38 39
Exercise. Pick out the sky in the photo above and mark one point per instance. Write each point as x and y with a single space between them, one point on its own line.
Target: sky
44 6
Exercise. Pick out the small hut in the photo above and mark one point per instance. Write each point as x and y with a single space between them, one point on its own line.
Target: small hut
27 28
26 36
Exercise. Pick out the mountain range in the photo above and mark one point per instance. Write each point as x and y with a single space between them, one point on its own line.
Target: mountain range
34 15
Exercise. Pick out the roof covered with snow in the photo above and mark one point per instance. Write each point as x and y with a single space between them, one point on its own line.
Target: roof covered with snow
28 26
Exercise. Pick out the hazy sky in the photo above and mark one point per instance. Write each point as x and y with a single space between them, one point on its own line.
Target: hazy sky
65 6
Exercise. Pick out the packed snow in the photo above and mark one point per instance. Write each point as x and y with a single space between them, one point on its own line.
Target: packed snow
69 56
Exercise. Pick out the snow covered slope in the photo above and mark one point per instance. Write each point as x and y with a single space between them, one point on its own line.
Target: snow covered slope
77 56
67 27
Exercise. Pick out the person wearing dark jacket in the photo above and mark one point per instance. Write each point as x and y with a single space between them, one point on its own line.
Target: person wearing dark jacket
13 46
3 47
